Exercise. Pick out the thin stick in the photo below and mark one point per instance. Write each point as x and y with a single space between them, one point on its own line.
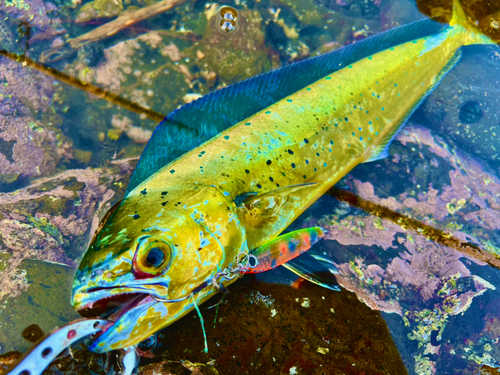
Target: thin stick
434 234
123 21
97 91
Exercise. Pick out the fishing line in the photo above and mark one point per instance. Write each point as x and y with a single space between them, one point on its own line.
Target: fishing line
217 309
202 325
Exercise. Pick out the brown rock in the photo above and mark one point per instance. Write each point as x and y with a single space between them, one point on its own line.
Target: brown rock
265 328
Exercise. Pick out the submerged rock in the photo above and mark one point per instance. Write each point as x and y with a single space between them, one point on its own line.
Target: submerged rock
237 56
44 230
99 9
396 269
261 328
44 301
465 106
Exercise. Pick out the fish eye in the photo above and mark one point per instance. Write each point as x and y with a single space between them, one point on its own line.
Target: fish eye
155 257
152 257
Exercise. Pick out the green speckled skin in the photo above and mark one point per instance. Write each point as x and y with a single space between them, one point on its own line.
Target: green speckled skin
316 136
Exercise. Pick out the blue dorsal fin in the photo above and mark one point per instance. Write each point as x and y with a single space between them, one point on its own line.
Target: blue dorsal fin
197 122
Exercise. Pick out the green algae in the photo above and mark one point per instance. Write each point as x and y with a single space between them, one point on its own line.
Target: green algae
44 225
45 302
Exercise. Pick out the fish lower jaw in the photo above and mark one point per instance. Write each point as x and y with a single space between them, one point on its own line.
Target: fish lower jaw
110 307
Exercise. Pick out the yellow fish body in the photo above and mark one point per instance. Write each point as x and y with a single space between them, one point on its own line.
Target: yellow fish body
194 225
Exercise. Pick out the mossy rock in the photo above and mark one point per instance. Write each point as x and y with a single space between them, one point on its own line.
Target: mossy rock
308 12
99 9
239 56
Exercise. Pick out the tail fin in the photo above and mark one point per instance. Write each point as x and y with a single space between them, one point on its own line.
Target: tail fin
473 34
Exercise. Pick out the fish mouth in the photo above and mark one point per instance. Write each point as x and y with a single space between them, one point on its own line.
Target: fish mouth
134 313
112 306
123 308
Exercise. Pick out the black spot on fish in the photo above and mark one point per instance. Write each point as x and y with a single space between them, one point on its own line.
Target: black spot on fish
163 193
470 113
268 162
290 152
271 179
259 186
164 203
144 192
306 140
247 171
293 165
136 217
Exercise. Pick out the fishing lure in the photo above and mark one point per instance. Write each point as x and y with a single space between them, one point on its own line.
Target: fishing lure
224 176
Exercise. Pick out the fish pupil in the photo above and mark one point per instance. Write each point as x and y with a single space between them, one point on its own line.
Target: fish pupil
155 257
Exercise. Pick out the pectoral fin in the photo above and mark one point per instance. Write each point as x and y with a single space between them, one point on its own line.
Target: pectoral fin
284 248
316 269
260 209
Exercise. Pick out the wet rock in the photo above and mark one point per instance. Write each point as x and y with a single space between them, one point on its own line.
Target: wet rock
44 302
99 9
90 54
8 40
398 13
473 337
125 72
173 368
24 90
262 328
35 14
471 116
7 360
276 34
33 333
396 269
44 229
307 12
29 147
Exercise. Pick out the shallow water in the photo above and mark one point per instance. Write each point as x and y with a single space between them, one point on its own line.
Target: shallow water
415 296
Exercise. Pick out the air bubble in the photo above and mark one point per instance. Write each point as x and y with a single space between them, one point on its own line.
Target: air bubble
227 21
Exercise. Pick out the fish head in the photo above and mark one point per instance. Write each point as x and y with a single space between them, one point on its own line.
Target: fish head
153 258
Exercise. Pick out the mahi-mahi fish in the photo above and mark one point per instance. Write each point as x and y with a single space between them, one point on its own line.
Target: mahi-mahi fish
224 176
